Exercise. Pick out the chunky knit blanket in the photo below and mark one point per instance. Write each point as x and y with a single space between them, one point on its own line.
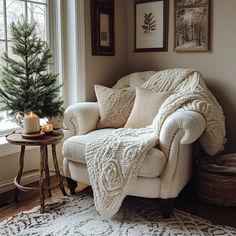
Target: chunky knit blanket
114 160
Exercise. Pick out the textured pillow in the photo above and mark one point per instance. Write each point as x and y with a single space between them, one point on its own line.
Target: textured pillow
114 106
146 107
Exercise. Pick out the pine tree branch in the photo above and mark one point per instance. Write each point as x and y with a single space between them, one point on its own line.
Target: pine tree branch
26 83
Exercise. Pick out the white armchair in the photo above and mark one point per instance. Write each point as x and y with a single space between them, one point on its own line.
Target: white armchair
166 168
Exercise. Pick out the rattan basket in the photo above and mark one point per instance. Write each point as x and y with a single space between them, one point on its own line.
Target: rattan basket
213 183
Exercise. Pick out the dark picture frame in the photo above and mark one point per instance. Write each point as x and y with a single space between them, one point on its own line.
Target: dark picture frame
151 25
192 25
102 26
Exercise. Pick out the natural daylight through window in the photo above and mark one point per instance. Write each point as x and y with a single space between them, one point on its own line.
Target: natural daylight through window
11 11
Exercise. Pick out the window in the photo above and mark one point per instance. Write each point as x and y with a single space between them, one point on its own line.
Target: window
11 11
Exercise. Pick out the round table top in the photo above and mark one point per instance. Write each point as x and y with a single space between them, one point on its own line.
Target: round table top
53 138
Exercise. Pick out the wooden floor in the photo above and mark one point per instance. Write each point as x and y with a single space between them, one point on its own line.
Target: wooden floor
187 201
27 200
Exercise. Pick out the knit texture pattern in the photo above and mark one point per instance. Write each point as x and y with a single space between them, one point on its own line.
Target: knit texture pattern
114 106
113 161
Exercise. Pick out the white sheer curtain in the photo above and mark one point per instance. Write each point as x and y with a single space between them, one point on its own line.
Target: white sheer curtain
68 46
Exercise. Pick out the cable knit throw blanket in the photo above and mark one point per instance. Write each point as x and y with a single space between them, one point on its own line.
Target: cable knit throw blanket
114 160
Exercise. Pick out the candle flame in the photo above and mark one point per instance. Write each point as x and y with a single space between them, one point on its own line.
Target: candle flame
30 114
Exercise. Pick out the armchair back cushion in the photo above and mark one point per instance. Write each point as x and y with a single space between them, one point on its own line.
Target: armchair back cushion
114 106
146 107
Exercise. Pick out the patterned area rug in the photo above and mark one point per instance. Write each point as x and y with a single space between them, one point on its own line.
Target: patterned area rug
76 215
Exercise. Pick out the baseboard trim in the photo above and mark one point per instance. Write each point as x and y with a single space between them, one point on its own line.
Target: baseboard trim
27 179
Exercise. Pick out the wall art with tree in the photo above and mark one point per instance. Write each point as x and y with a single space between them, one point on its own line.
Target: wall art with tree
191 25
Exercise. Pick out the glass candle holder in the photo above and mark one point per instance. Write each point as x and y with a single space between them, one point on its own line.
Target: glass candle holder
47 128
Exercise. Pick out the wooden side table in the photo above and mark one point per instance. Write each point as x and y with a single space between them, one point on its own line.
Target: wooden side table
43 142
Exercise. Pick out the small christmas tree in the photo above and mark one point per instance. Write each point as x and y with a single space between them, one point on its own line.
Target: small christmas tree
26 84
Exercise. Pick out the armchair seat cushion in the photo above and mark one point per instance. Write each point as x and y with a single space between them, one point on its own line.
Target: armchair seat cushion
74 150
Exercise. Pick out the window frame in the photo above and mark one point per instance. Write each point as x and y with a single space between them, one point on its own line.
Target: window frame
6 40
7 148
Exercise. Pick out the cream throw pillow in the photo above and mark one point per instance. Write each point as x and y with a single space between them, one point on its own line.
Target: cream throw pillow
114 106
146 107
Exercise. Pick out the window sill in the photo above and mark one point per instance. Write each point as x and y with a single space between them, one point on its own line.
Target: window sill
8 149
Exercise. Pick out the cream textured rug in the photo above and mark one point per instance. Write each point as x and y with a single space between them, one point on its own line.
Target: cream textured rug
76 215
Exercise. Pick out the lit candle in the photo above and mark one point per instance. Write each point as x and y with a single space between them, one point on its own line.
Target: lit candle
47 128
31 123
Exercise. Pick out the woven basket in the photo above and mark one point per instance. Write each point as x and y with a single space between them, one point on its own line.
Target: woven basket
214 186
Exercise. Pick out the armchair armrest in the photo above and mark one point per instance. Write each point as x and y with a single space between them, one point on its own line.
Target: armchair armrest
82 117
191 124
177 133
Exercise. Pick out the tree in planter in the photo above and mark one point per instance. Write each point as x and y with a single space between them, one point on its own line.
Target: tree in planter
26 84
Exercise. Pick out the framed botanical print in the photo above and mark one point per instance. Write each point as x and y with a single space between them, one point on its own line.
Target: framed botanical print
191 25
102 25
151 25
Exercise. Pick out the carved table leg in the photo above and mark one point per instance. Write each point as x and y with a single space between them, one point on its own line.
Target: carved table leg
71 184
167 206
21 165
54 155
46 169
41 179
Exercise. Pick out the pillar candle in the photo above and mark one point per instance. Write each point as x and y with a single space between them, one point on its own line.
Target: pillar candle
31 123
